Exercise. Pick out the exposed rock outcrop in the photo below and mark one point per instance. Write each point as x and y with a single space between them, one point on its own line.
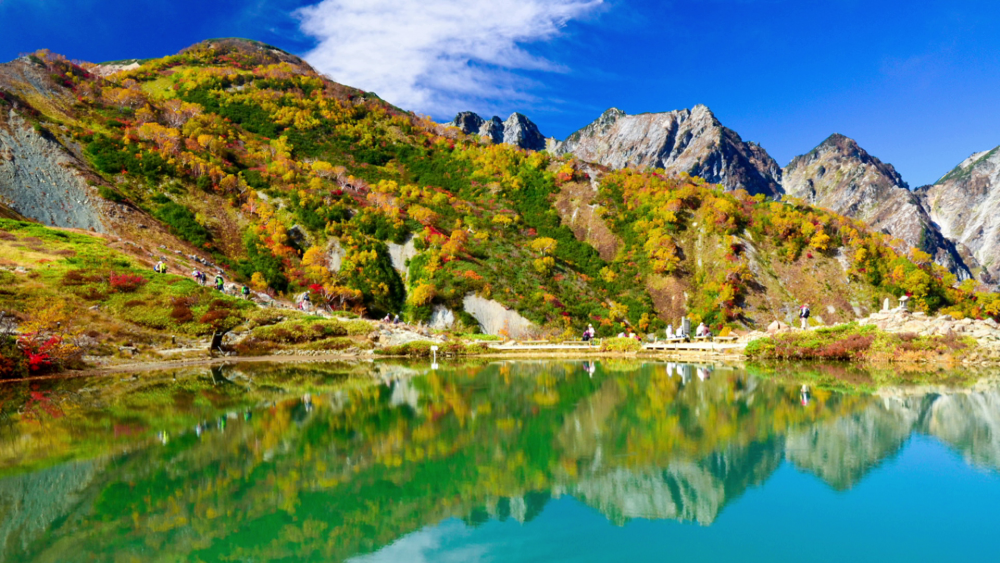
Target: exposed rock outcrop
965 204
839 175
986 332
687 140
518 130
41 180
442 318
494 318
400 254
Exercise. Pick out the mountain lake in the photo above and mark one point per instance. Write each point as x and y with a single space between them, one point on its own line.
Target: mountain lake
526 461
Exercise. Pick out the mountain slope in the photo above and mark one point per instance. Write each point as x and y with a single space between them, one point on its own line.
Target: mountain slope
965 203
682 141
246 158
840 175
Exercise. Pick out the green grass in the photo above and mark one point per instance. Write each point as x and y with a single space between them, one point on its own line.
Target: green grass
73 270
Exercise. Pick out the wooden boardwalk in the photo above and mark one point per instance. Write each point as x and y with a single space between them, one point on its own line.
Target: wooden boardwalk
595 346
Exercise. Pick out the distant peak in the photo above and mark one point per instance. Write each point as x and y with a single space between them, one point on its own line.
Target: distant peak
838 139
843 145
248 51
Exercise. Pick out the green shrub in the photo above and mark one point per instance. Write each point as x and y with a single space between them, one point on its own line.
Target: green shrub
13 364
110 194
335 343
760 348
422 349
300 331
620 345
182 223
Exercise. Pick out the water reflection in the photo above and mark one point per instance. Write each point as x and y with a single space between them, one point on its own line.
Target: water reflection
261 463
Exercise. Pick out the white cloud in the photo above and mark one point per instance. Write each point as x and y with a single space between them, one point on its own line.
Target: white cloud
436 56
448 542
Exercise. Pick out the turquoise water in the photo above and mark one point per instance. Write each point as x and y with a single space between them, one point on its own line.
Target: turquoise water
529 461
925 505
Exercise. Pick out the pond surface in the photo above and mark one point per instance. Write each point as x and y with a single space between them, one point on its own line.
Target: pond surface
512 461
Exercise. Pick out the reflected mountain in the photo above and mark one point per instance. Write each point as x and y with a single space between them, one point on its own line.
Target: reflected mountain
843 450
272 462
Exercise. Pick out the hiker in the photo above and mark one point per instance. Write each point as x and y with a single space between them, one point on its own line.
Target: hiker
395 320
588 334
245 291
804 316
220 283
670 331
702 330
158 267
196 275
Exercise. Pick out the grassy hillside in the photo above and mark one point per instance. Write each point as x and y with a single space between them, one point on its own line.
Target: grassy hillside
69 293
246 153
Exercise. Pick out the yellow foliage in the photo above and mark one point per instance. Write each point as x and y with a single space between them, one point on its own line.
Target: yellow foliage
422 294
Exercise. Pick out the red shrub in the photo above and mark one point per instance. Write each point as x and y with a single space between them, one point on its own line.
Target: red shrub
126 283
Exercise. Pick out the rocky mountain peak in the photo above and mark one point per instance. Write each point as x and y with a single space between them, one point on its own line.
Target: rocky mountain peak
467 121
686 140
840 175
517 130
520 131
965 202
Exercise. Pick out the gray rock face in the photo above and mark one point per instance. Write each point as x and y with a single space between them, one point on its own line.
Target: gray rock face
687 140
965 204
840 175
469 122
492 129
494 318
518 130
442 318
400 254
41 180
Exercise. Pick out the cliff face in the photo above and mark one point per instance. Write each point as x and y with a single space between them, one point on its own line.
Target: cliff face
840 175
518 130
688 140
965 204
41 180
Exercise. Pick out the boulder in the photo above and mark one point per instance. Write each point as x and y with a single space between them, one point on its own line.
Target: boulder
776 327
442 318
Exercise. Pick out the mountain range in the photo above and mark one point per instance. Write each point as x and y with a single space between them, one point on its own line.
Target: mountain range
952 220
233 156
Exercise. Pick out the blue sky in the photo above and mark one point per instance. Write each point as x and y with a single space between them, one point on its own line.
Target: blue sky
915 83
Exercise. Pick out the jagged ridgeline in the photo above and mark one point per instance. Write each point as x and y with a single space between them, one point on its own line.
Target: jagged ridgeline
293 182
